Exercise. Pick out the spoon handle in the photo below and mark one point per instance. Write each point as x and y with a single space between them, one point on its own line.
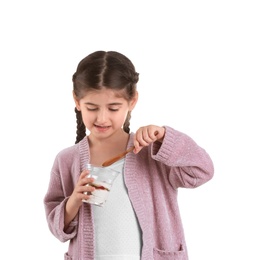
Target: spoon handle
118 157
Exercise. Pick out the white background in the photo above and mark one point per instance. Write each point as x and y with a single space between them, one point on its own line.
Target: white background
198 64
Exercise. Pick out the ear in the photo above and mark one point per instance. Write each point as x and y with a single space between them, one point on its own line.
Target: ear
133 102
76 101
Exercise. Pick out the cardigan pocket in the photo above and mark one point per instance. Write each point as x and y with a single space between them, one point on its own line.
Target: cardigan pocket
67 257
169 255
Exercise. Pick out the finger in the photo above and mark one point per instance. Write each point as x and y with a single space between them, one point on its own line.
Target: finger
87 192
141 137
84 173
153 134
136 144
146 136
86 180
86 188
83 196
159 133
137 147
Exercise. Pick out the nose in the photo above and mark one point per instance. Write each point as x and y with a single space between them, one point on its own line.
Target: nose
102 116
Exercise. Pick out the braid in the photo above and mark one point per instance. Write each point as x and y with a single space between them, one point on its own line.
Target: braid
126 126
81 130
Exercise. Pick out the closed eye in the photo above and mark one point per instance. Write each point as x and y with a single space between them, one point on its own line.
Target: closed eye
92 109
113 109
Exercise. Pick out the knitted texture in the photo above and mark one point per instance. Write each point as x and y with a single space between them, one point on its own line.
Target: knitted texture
152 178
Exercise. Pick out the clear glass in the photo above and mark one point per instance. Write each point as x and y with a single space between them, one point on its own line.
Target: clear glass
104 178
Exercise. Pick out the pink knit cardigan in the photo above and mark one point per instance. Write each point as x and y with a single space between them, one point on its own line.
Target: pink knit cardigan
152 177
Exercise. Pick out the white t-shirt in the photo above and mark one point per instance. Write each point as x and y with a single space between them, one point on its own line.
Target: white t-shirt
117 232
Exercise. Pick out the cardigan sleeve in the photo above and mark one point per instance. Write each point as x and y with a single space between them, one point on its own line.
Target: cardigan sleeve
55 201
190 165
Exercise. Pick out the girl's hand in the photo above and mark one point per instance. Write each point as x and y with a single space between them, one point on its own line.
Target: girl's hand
81 188
75 201
146 135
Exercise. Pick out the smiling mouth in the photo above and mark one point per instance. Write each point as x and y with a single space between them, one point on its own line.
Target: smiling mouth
103 127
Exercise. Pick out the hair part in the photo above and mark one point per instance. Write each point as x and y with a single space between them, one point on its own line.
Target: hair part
99 69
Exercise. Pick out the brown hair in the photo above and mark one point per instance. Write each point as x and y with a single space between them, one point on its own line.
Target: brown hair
100 69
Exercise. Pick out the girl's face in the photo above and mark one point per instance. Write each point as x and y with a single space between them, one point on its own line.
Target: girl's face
104 112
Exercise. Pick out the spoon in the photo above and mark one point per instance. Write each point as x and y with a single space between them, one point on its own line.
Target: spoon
118 157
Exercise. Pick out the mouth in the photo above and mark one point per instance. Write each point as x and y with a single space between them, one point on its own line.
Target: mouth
102 128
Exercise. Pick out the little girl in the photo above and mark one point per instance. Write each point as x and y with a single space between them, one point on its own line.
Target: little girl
140 219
